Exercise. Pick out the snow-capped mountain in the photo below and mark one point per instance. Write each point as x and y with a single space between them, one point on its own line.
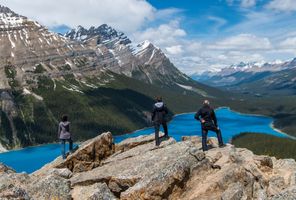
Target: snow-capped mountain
104 33
276 76
25 43
117 53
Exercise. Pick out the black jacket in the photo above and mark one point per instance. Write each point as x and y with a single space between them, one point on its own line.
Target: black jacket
208 114
159 113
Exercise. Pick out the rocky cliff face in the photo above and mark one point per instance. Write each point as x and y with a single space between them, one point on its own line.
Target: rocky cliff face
136 169
142 61
25 43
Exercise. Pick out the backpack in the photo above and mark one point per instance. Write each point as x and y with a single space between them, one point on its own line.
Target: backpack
67 127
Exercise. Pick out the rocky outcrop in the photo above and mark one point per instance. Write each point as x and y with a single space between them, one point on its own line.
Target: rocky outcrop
88 156
24 186
136 169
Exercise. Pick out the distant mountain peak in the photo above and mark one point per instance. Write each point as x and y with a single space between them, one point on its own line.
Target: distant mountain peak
8 18
104 32
143 46
6 10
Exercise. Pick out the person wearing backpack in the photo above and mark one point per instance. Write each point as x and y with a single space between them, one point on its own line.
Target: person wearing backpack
207 117
158 117
65 135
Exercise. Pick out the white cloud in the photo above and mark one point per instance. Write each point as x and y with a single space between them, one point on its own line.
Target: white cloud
192 55
126 15
248 3
174 50
282 5
165 35
219 22
243 3
242 42
289 43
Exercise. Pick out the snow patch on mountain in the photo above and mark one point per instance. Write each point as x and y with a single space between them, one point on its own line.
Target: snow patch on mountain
139 48
28 92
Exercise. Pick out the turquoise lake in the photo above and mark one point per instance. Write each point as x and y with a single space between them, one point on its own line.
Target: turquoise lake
231 123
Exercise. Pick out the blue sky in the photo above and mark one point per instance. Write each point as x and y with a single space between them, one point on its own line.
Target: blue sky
197 35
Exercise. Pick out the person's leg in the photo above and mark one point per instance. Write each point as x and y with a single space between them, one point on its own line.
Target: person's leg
165 128
63 148
204 139
157 126
70 145
219 136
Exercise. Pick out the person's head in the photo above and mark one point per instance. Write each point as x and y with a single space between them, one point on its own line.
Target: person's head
158 99
206 102
64 118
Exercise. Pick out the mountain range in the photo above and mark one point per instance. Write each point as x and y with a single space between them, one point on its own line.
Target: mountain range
273 78
97 76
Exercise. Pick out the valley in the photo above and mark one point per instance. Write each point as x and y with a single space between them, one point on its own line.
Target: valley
96 76
104 82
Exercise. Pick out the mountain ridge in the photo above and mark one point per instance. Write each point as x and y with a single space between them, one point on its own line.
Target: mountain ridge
274 78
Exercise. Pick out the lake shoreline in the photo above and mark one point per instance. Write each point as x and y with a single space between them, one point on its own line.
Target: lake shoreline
261 115
3 150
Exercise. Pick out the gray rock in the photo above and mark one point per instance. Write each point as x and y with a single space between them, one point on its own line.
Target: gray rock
89 155
97 191
195 139
287 194
5 169
152 173
233 192
136 141
64 172
198 154
49 187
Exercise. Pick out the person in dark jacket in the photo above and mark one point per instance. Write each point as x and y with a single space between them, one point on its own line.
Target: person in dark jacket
158 117
206 115
65 135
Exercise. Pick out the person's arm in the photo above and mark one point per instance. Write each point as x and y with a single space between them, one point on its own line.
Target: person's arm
153 113
214 118
59 130
166 111
197 115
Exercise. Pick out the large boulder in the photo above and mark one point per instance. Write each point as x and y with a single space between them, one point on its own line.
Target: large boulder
136 141
89 155
54 185
143 172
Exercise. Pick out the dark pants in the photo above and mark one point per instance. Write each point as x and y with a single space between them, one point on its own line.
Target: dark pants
157 127
205 135
63 146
